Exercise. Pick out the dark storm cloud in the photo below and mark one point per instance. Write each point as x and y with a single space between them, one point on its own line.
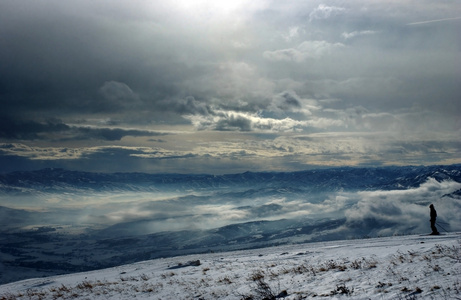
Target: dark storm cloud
265 66
118 92
50 57
110 134
76 58
287 101
234 123
71 57
186 106
28 129
16 129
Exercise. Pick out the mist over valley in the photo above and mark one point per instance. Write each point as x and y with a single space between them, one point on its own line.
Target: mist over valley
59 221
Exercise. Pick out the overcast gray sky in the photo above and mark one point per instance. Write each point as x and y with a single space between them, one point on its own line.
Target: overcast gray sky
228 86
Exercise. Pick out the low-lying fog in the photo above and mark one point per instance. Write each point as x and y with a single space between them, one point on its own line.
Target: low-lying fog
381 212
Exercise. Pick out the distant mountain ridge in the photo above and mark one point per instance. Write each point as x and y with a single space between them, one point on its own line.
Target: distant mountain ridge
348 178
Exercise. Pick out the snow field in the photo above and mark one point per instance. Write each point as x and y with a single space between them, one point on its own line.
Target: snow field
403 267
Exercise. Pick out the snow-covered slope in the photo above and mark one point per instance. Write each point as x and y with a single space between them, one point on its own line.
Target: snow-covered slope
402 267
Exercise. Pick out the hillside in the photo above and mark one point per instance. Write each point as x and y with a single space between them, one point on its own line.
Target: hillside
400 267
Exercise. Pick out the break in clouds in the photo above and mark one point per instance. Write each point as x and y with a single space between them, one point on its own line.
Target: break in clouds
265 85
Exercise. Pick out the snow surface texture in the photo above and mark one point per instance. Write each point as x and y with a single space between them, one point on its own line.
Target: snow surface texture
400 267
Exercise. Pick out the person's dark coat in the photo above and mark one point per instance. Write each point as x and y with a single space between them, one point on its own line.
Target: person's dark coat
433 219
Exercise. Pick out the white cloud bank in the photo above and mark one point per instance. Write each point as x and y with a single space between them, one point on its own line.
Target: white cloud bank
403 211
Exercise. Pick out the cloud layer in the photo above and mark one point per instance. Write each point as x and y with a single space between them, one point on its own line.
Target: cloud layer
264 74
362 213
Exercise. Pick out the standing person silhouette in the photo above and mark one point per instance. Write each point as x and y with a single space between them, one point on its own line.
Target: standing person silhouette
433 218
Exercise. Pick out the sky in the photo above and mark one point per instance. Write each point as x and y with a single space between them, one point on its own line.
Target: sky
228 86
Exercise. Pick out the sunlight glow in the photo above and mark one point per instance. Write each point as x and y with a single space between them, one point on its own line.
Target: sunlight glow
212 8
